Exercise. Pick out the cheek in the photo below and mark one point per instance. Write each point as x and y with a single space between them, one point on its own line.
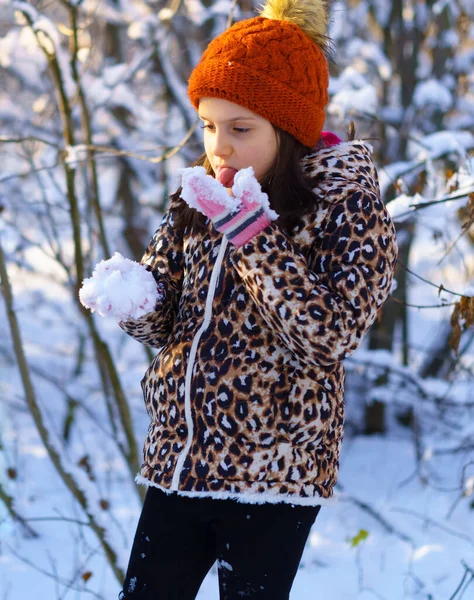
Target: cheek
272 150
264 152
208 150
206 144
267 154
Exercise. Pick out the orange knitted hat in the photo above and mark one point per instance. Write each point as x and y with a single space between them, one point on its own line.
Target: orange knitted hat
271 67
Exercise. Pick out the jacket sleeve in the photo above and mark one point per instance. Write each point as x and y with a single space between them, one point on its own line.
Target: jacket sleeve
164 258
321 307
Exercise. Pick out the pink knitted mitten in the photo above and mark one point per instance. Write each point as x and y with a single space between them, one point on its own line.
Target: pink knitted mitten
240 216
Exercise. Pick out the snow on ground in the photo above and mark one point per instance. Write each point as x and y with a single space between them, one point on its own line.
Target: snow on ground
377 471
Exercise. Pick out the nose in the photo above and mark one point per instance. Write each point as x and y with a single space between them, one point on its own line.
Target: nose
221 144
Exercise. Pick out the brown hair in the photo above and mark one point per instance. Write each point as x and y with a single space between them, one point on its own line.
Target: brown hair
288 189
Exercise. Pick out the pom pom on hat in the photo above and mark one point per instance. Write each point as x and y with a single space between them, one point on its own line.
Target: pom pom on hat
310 15
273 65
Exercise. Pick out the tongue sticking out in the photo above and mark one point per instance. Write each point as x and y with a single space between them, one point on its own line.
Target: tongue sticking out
225 175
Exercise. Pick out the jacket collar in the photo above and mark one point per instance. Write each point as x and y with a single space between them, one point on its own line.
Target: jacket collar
332 169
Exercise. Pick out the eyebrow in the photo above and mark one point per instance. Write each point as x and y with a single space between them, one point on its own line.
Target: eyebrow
231 120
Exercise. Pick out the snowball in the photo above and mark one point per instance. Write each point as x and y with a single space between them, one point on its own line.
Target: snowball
120 288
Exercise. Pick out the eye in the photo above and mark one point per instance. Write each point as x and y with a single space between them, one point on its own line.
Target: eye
241 129
209 127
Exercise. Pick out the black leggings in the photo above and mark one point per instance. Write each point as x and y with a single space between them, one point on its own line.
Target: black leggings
258 548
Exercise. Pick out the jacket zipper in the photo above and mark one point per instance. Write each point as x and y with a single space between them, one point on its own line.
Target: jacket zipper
190 367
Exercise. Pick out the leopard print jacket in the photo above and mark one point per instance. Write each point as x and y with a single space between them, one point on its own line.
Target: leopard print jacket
245 395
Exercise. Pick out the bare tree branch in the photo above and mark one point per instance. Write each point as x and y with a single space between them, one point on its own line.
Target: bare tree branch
467 578
54 576
433 523
377 516
10 506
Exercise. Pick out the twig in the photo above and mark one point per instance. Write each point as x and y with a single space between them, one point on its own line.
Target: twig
377 516
372 117
401 371
462 487
107 150
10 506
467 572
79 572
429 521
52 575
130 154
465 228
454 196
66 519
61 388
374 592
398 301
30 138
439 287
469 446
56 250
231 13
459 194
26 173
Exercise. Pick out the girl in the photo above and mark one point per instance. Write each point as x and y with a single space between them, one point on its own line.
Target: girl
271 264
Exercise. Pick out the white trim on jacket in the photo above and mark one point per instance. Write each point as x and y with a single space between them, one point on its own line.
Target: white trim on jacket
244 498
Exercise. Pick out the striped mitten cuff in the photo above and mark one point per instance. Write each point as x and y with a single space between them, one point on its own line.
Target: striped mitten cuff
242 225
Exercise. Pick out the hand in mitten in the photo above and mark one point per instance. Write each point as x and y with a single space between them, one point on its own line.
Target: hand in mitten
239 216
120 288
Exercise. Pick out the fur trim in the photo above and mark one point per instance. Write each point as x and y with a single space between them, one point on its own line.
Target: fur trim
242 497
310 15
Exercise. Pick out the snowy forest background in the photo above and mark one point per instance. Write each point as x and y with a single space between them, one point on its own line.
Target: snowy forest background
94 123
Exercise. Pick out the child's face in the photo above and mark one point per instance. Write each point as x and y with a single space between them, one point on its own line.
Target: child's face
236 138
